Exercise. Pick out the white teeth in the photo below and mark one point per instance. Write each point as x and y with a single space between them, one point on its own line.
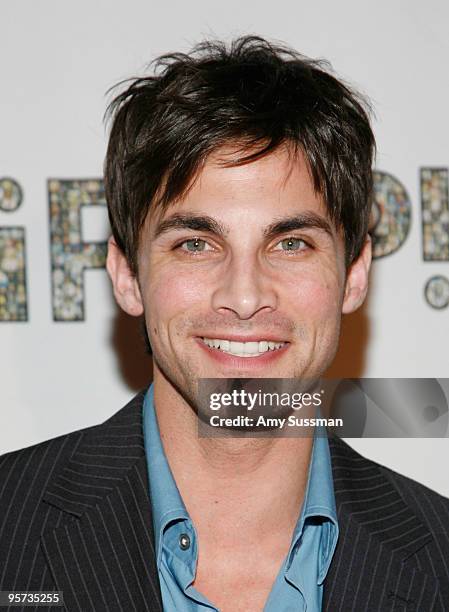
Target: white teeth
243 349
251 348
236 347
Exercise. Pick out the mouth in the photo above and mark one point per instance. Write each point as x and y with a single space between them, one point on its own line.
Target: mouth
254 352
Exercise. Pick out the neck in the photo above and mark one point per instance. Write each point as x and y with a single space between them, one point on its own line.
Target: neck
256 485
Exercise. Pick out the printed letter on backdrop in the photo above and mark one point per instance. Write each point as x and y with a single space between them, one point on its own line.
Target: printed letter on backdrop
70 256
435 231
391 214
13 294
435 214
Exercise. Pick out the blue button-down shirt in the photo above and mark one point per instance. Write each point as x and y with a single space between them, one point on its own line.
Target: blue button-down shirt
299 584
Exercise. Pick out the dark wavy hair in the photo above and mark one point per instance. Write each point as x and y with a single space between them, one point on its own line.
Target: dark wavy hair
253 93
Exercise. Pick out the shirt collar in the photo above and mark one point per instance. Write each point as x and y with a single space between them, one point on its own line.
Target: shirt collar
167 504
319 501
166 500
319 498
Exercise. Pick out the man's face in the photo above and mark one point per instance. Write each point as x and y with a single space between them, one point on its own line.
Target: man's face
248 258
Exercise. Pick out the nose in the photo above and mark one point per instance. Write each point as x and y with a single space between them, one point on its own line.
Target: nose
245 289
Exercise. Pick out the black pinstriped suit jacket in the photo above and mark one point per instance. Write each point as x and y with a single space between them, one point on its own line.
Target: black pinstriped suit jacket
75 516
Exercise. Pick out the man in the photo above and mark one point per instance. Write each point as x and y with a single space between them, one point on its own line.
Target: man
239 191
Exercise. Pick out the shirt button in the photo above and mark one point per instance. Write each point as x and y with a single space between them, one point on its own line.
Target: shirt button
184 541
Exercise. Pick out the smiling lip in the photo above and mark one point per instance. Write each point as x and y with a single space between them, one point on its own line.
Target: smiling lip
235 361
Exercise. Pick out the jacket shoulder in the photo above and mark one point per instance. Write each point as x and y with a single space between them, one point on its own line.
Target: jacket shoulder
26 477
431 507
25 473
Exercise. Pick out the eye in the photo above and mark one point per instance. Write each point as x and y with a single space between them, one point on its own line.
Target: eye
193 245
292 243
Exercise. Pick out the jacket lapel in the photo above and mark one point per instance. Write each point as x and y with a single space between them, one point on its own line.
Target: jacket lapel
102 554
374 565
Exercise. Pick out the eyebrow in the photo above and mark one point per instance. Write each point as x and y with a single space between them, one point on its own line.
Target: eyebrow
202 223
306 220
205 223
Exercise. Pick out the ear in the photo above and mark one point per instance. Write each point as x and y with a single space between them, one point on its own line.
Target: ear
124 282
356 285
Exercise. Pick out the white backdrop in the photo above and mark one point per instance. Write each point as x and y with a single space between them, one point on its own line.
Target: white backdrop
58 59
